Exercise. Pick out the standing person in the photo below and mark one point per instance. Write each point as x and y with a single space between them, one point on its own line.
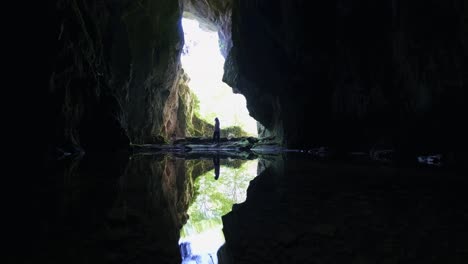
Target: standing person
216 131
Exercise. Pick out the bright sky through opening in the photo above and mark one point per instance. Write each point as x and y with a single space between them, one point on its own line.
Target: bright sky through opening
203 62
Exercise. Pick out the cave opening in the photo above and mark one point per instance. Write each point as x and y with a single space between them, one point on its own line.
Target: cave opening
203 63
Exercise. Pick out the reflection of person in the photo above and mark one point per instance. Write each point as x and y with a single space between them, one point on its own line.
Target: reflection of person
216 165
216 131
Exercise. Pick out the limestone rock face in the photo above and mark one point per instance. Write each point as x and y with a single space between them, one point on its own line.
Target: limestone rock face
349 74
214 15
188 123
113 71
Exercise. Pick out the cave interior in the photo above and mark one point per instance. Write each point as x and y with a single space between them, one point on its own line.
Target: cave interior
97 77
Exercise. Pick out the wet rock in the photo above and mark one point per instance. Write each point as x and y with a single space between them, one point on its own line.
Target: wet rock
194 144
434 160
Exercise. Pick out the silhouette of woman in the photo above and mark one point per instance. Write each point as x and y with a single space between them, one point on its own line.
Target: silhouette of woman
216 131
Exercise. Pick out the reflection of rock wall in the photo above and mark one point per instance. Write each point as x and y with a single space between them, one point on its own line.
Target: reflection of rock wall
72 204
272 167
315 212
112 208
154 194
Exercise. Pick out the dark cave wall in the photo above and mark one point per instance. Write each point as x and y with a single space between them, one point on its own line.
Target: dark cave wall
389 73
112 66
214 15
353 74
114 74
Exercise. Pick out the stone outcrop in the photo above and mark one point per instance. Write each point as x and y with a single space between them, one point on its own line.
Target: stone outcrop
114 74
213 15
352 74
191 145
113 69
390 72
187 121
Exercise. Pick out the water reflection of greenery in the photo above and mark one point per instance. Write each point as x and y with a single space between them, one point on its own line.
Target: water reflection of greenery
214 198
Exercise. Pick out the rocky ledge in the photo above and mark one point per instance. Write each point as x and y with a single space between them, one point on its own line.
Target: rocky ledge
195 144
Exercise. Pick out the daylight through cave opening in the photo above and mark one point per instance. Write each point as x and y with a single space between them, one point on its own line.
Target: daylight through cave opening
203 62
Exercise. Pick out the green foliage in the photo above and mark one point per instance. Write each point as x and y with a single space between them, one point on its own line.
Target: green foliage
199 127
195 103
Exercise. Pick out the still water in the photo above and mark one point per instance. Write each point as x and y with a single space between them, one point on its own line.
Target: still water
216 191
137 208
242 208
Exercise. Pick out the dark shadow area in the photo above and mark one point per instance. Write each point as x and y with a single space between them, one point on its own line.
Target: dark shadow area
304 211
107 209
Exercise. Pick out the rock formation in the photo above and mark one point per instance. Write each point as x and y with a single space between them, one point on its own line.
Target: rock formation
353 74
349 75
390 72
113 72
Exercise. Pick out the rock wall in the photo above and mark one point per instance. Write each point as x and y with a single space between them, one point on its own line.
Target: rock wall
112 68
188 123
392 72
113 71
351 74
214 15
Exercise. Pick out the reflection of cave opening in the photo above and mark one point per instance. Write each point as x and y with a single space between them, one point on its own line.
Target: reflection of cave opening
204 64
202 235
